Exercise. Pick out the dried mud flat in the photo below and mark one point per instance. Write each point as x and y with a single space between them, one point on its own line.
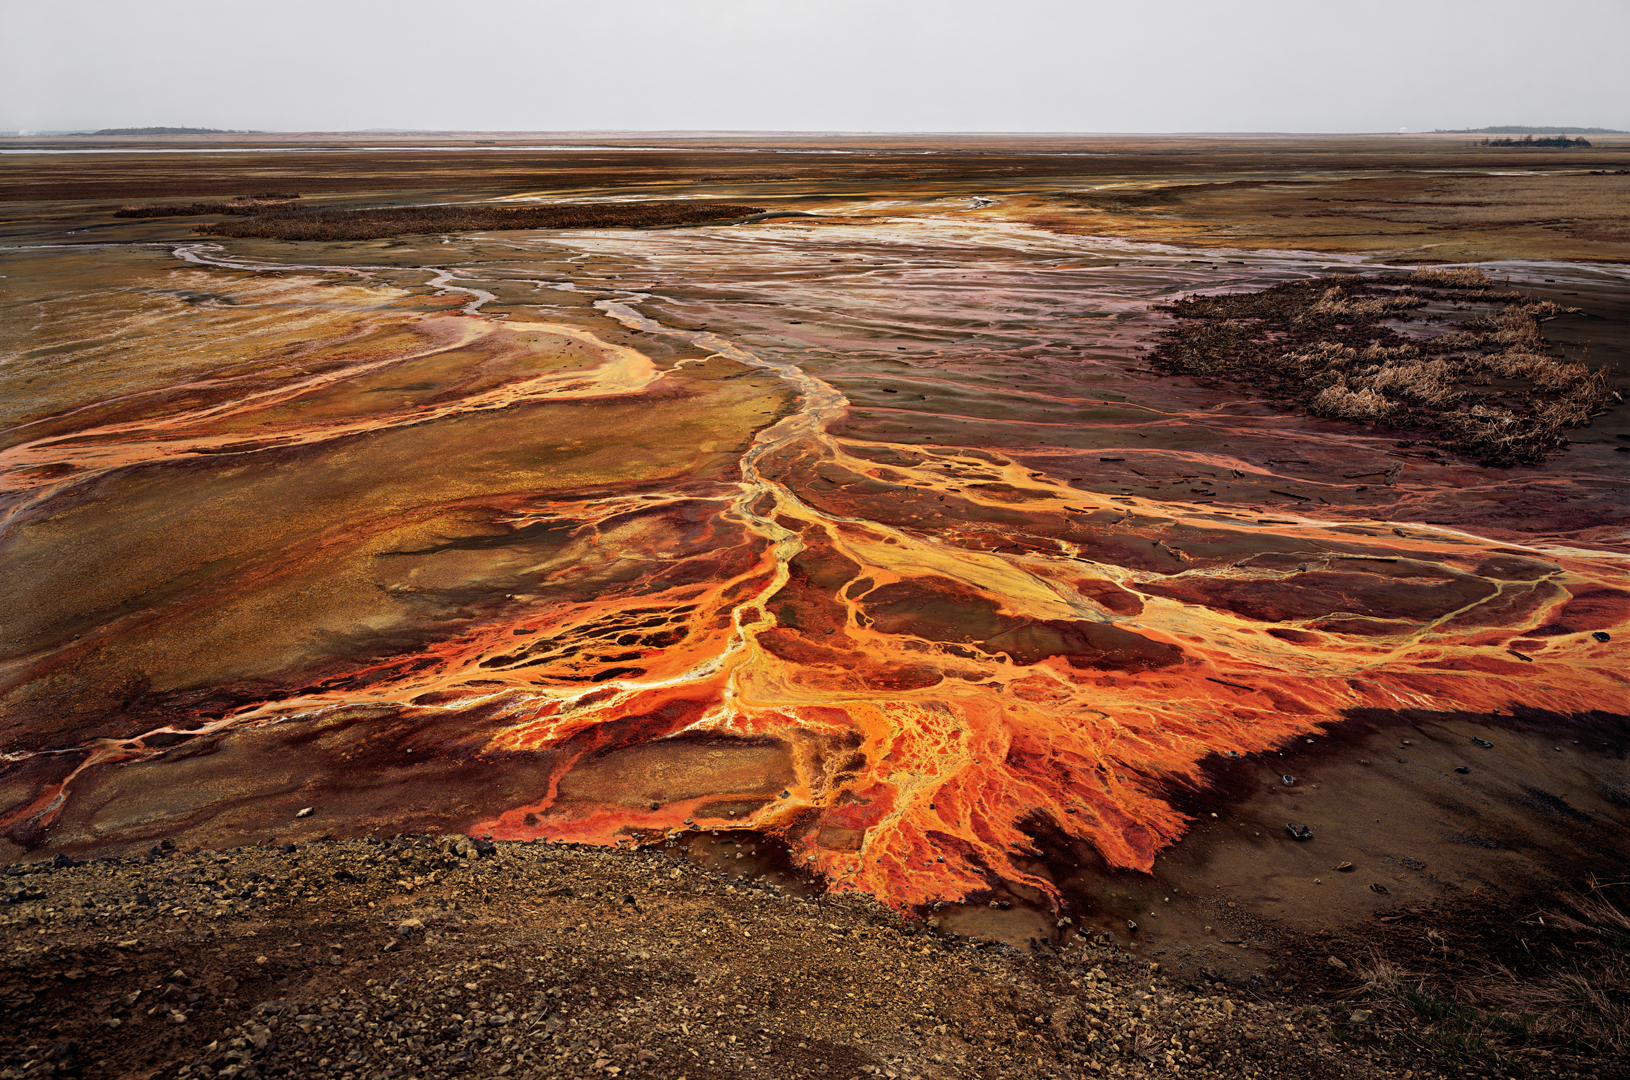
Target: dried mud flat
861 538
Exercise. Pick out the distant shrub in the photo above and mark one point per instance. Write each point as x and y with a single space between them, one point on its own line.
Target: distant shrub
1556 141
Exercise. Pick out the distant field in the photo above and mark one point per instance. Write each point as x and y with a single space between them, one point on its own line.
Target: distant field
374 222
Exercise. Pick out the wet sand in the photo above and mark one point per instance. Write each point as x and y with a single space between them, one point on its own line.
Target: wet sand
867 530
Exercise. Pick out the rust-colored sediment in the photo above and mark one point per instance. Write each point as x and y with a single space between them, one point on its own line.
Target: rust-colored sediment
901 594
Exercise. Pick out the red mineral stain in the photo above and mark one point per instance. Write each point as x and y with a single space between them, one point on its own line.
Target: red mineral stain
527 579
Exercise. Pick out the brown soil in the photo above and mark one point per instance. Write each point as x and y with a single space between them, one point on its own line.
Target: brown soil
405 957
373 222
1419 197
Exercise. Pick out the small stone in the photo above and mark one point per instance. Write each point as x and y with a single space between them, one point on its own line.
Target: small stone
306 812
1335 963
1359 1016
1601 635
1130 925
1342 866
1462 769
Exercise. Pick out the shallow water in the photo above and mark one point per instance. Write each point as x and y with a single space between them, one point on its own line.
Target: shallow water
875 537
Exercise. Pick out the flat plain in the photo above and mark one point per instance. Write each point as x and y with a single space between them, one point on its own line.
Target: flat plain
837 524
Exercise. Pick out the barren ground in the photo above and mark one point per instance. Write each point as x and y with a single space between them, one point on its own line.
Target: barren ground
855 547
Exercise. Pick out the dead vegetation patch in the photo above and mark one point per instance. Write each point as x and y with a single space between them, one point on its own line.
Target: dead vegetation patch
1571 994
1486 388
242 205
372 223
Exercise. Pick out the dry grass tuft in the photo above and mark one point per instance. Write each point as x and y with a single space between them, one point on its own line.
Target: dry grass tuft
1581 1002
1486 389
1451 277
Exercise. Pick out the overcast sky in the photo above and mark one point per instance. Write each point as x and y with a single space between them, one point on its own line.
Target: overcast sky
803 65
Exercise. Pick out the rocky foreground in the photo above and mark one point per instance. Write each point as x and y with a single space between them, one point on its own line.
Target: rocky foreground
418 957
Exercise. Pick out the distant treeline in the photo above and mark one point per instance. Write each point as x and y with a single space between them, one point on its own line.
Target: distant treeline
172 131
1518 129
372 223
1529 140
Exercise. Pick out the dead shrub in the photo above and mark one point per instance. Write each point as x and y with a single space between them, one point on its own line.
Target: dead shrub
1343 403
1451 277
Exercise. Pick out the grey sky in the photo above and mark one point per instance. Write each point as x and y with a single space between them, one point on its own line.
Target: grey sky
852 65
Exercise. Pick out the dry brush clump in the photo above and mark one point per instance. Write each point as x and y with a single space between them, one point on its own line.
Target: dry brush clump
376 222
1575 994
1451 277
1333 345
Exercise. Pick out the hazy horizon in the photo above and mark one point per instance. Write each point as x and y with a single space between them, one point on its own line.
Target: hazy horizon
856 133
847 66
